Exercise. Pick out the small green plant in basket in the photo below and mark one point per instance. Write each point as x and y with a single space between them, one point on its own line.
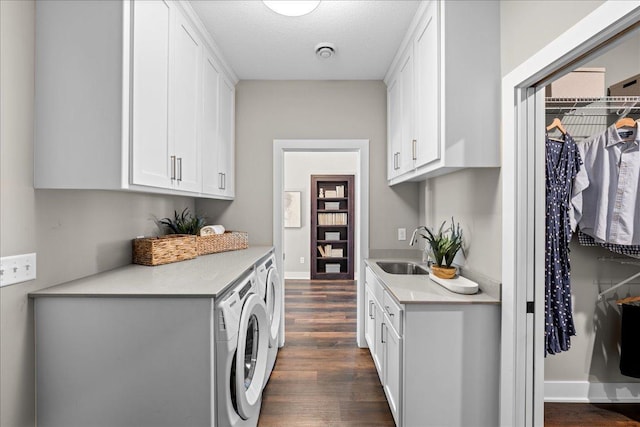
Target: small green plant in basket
184 223
442 247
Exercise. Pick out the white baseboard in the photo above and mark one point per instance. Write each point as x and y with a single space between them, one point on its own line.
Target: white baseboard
297 275
591 392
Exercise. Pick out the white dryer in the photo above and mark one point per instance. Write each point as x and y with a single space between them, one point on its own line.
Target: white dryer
242 345
270 289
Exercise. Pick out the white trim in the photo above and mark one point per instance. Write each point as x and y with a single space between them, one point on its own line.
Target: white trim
360 146
297 275
588 392
601 25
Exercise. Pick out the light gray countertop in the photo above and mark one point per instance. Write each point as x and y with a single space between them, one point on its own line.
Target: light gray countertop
420 289
205 276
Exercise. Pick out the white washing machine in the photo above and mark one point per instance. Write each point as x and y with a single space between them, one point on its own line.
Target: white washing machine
242 346
270 289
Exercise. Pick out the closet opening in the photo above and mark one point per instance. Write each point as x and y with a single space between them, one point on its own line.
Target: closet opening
592 249
588 371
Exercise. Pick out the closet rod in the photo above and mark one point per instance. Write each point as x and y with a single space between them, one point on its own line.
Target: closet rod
625 281
617 285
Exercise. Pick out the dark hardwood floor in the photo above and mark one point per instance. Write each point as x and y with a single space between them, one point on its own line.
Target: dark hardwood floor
321 377
591 415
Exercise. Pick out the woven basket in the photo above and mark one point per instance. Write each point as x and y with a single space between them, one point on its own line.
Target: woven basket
164 249
228 241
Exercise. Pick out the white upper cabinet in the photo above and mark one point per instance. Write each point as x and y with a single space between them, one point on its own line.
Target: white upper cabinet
443 92
150 94
186 89
218 132
427 147
120 93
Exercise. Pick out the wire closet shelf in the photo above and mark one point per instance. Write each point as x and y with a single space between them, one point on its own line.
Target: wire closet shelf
620 105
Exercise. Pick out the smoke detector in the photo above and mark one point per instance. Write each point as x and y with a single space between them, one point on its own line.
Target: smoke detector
325 50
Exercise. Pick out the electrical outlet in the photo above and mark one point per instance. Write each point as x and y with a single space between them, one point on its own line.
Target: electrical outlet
402 234
17 269
301 260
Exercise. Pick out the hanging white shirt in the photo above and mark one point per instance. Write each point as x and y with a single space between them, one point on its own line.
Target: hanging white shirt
605 201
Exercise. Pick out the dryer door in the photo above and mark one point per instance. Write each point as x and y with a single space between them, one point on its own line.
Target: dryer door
251 356
273 300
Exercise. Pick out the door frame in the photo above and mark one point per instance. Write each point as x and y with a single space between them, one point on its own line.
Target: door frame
359 146
522 352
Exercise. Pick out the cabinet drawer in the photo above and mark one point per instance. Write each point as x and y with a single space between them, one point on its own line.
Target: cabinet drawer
374 285
393 311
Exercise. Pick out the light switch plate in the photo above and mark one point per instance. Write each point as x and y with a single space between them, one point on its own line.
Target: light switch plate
402 234
17 269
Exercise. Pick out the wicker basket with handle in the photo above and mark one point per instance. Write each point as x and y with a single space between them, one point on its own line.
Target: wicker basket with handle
164 249
227 241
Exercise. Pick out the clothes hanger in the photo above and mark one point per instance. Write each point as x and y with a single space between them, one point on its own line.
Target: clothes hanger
628 300
557 124
625 122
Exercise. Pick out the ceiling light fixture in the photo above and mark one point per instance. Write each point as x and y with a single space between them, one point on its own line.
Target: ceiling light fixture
292 7
325 50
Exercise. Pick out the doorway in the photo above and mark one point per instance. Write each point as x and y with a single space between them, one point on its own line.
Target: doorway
523 118
360 150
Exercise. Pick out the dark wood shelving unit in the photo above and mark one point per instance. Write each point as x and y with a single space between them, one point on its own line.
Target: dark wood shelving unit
332 215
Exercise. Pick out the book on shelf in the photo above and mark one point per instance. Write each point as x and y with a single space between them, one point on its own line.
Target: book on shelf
330 194
339 190
332 219
327 251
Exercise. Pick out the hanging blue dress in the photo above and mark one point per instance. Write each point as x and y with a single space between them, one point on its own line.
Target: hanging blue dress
562 165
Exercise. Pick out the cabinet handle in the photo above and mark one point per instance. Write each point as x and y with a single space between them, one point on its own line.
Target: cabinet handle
179 168
173 167
382 333
224 181
386 307
414 149
371 315
220 181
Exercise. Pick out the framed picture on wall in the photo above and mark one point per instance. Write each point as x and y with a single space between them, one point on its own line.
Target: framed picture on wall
292 209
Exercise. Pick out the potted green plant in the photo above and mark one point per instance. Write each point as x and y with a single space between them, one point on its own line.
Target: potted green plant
184 223
441 247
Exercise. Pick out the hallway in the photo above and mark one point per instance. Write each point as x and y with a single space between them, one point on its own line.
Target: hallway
321 377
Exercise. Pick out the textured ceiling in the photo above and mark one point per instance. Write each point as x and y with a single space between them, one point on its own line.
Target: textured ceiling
260 44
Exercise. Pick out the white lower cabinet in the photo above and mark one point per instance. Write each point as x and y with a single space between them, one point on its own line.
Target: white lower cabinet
438 362
392 344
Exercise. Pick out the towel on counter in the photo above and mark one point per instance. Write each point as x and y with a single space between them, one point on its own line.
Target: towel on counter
630 340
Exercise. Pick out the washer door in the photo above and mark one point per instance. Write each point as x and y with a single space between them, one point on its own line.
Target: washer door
251 356
273 300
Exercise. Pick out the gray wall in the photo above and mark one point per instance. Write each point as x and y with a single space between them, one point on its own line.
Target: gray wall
298 168
74 233
268 110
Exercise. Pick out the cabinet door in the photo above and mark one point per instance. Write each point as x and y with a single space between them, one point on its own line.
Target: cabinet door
394 131
370 320
211 180
427 83
227 136
378 351
185 106
150 162
393 369
407 115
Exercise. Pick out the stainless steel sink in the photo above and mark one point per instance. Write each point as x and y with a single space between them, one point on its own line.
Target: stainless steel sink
401 267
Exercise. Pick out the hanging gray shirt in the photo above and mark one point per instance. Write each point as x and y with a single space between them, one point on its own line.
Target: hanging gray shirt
606 203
